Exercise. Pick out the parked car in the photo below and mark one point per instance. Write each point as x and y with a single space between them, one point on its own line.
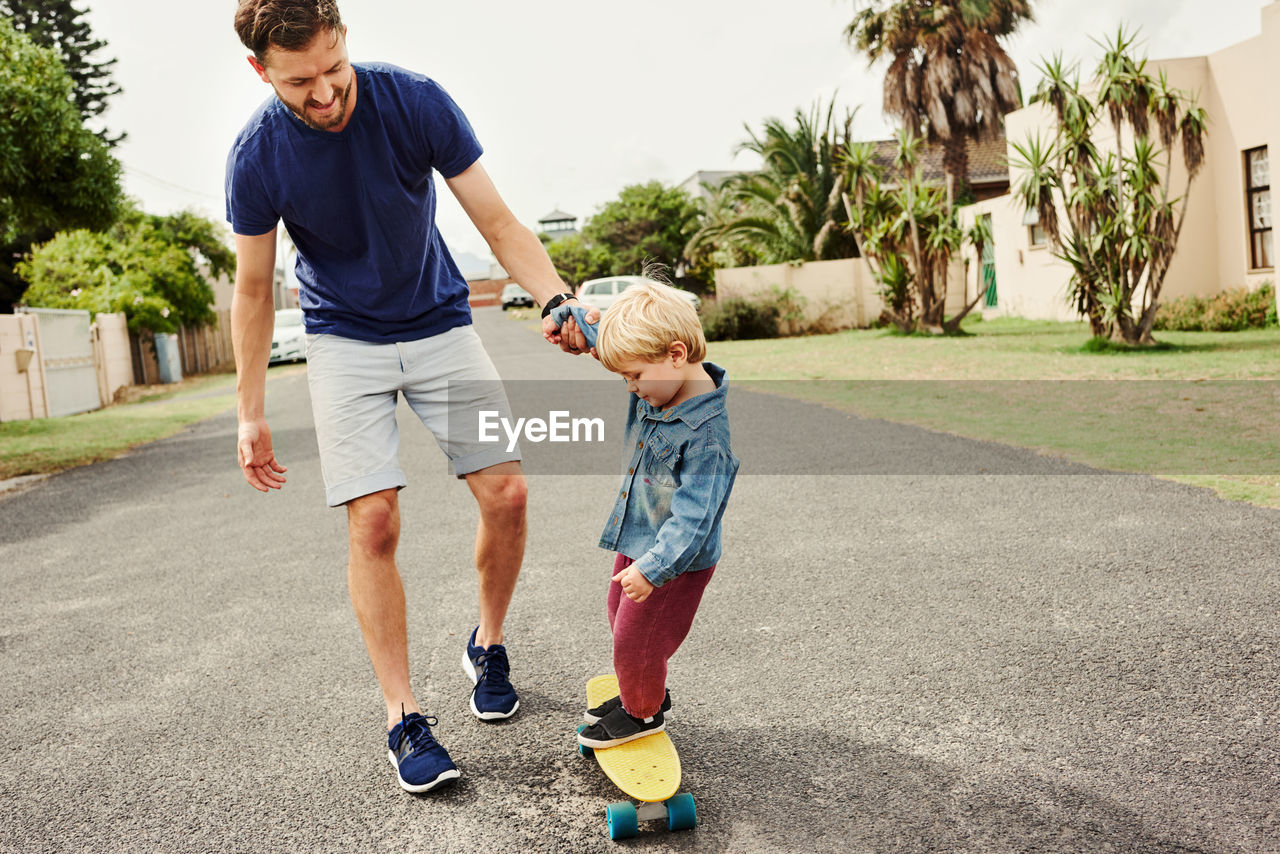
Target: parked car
514 296
602 292
289 340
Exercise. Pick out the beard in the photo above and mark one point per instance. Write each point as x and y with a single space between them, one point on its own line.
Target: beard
339 115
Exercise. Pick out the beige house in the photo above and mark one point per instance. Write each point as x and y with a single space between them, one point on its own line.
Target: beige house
1226 241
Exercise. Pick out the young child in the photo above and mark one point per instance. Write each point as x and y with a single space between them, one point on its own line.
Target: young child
665 524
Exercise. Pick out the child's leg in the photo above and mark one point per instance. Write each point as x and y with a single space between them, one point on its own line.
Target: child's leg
647 634
620 563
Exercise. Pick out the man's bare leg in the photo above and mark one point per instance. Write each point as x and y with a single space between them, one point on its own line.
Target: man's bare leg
502 493
377 594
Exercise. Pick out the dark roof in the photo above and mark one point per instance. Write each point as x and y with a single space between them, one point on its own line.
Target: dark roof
557 216
987 160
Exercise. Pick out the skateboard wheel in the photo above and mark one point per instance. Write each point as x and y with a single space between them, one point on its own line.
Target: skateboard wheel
583 750
623 822
681 813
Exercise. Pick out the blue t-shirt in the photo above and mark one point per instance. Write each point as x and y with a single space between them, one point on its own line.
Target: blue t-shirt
360 205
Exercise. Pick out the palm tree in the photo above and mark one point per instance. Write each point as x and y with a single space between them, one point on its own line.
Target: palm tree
948 79
791 209
1109 210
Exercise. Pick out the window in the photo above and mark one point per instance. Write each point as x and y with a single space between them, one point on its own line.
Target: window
1035 232
1257 174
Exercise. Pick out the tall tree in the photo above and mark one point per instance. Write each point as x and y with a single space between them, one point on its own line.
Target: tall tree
155 269
790 210
646 223
58 24
54 173
1102 184
948 78
909 235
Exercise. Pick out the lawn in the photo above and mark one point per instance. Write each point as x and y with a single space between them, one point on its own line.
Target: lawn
1203 409
45 445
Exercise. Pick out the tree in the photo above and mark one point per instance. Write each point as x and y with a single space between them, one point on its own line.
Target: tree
155 269
790 210
576 260
57 24
948 77
647 223
908 232
1120 222
54 173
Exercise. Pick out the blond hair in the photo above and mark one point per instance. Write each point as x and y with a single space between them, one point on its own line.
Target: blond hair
643 323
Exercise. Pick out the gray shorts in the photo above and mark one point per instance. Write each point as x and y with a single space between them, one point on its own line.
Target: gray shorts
447 379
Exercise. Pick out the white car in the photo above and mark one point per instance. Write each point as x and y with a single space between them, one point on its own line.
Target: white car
602 292
289 340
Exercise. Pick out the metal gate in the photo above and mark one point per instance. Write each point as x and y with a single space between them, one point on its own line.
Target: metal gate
66 349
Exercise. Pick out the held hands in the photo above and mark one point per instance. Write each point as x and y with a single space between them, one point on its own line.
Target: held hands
568 336
634 584
257 459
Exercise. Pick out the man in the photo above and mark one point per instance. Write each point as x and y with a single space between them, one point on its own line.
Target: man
344 155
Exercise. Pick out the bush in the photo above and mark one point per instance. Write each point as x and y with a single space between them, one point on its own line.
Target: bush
1228 311
736 318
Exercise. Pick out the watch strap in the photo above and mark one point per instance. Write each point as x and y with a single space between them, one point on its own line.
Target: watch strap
555 301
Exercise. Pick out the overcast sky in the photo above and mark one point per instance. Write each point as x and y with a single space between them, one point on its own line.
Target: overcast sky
572 100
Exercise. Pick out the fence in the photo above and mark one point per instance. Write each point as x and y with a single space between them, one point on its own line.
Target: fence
838 294
55 362
203 350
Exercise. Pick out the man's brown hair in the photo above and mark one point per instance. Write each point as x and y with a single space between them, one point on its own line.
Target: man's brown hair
284 24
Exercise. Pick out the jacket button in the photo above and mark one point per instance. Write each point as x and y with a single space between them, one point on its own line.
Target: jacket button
624 495
640 445
631 470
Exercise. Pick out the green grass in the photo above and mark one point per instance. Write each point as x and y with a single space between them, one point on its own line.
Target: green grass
1219 434
46 445
1193 410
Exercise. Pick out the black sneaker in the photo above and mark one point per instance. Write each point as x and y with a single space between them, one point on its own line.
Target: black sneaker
421 763
593 716
618 727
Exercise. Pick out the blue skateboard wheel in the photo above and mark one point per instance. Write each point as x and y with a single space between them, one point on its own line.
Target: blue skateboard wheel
681 813
623 822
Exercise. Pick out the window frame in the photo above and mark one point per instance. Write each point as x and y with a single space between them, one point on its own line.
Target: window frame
1250 192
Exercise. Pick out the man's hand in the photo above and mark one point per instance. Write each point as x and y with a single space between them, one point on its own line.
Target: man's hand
634 584
257 459
568 337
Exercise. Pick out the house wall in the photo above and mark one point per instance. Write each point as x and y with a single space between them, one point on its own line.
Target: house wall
1244 113
112 354
841 292
22 393
1213 247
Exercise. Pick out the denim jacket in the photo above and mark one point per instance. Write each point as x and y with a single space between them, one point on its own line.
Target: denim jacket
679 474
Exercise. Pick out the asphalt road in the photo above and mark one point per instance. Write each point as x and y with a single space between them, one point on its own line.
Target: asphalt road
1046 659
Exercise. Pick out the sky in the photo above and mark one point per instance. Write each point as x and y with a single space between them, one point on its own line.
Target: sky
572 100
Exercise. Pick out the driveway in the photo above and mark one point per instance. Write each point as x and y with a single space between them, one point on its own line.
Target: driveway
1003 653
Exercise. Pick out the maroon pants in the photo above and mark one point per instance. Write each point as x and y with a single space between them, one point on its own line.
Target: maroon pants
647 633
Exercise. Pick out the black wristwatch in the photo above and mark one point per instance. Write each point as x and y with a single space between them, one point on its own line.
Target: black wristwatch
555 301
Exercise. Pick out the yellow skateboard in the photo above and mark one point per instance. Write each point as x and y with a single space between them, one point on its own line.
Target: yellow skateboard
646 769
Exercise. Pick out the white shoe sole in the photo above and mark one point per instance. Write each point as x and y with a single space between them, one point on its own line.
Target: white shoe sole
445 778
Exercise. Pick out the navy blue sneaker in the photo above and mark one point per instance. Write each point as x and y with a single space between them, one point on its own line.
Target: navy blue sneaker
421 763
492 698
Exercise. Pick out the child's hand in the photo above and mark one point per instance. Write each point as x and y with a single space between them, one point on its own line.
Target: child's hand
634 584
